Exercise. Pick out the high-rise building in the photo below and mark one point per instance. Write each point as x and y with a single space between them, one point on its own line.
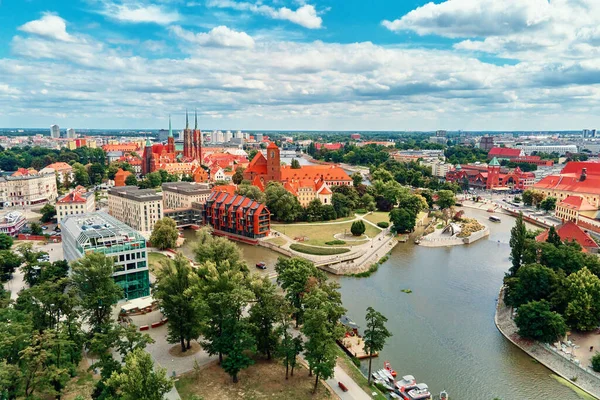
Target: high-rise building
589 133
163 134
227 137
71 133
54 131
441 133
486 143
98 232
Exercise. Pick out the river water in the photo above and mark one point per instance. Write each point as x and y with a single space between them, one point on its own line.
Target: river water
444 332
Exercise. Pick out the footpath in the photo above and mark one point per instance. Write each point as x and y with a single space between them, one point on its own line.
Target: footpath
579 376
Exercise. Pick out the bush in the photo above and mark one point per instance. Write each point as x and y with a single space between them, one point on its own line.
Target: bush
357 228
335 242
318 251
596 362
360 211
365 274
383 224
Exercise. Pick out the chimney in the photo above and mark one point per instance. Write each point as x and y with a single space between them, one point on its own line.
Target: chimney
583 174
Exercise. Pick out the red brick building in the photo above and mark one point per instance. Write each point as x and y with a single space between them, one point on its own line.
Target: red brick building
492 176
236 216
518 156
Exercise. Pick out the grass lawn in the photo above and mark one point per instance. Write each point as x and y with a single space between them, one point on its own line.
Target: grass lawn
378 216
319 234
350 218
154 260
344 362
277 241
263 380
318 251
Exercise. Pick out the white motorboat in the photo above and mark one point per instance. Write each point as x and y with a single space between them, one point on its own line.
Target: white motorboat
387 374
421 392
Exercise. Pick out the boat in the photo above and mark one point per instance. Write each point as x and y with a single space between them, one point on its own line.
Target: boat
388 367
408 382
420 393
444 395
395 396
385 385
387 374
494 218
375 375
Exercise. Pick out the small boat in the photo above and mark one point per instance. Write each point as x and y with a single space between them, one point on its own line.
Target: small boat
420 393
385 385
389 368
375 375
444 395
387 374
494 219
408 382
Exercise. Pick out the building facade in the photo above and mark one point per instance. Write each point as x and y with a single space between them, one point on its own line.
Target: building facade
63 171
54 131
75 203
492 176
178 195
575 179
11 223
29 187
98 232
237 216
138 208
574 207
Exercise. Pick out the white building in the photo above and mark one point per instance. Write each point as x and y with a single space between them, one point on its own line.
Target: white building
11 223
75 203
178 195
227 137
138 208
561 149
28 187
54 131
71 133
440 169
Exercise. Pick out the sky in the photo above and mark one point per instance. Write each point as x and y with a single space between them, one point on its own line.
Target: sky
301 64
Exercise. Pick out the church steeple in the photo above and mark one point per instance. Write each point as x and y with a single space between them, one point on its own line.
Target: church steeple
187 125
170 130
196 119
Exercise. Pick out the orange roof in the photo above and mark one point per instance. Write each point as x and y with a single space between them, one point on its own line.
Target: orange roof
60 166
258 165
570 183
272 145
327 172
229 189
592 168
121 176
121 147
73 197
504 152
568 232
577 203
258 183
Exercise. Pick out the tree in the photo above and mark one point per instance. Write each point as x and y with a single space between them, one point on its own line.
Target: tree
357 178
264 314
375 335
9 262
402 220
596 362
537 198
96 173
314 210
583 294
283 205
367 202
81 175
295 164
295 275
173 289
164 234
140 379
289 347
357 228
553 237
238 176
6 241
518 236
382 175
533 282
217 250
48 212
536 321
527 197
36 229
95 288
131 180
445 199
414 203
251 192
548 204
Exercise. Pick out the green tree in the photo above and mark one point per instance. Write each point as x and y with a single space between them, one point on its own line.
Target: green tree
357 178
553 237
283 205
6 241
36 229
96 173
9 262
314 210
238 176
402 220
154 179
295 164
164 234
382 175
264 314
218 250
583 293
518 237
367 202
528 197
289 347
252 192
533 282
536 321
48 212
375 335
596 362
446 199
548 204
414 203
296 275
81 175
174 283
95 288
357 228
131 180
140 379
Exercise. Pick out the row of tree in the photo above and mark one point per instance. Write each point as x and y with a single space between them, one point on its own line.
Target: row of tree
538 199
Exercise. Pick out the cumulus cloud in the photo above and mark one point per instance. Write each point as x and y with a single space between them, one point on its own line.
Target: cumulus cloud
305 15
139 13
220 36
49 26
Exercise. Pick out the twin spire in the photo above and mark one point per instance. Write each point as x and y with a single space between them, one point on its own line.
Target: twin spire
187 124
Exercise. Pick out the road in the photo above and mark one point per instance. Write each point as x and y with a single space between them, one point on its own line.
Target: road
354 392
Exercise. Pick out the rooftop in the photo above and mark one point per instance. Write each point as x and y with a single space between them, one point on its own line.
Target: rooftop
189 188
569 232
98 225
135 193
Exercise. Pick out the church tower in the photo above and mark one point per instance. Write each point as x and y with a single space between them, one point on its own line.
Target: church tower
493 178
171 139
197 139
147 160
187 139
273 163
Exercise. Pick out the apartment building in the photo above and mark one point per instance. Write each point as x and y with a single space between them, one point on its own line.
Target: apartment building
237 216
182 194
79 201
138 208
98 232
28 187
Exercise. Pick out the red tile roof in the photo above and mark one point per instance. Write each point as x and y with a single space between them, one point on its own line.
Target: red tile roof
229 189
577 203
328 146
258 165
272 145
592 168
568 232
60 166
570 183
327 172
504 152
73 197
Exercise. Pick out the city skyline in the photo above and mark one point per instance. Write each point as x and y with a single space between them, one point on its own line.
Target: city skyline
294 65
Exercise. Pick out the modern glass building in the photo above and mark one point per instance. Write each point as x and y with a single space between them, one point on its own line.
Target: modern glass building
98 232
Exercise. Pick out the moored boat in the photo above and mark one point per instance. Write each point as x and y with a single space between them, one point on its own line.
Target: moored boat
388 367
444 395
408 382
387 374
421 392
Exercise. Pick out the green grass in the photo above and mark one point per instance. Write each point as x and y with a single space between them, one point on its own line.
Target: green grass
277 241
367 273
378 216
320 234
154 261
318 251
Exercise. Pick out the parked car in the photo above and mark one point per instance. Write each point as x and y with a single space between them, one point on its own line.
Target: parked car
261 265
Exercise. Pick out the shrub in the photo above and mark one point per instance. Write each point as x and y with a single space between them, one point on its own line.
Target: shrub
358 228
383 224
361 211
367 273
596 362
318 251
335 242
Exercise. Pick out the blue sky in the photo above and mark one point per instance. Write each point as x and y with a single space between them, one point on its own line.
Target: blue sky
299 64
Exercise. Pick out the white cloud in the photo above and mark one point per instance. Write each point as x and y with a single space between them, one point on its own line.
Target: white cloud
221 36
49 26
305 15
139 13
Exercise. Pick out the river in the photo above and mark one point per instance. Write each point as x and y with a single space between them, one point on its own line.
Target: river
444 332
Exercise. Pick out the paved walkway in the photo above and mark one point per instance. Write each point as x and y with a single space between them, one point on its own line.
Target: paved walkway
354 392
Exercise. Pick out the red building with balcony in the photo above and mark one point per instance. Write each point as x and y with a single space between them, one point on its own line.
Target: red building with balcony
237 217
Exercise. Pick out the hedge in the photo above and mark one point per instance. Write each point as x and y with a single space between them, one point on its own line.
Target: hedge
318 251
335 242
383 224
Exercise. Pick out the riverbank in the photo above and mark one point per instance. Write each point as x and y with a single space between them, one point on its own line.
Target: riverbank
585 380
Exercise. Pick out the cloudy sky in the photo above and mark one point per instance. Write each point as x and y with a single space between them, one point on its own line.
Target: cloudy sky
301 64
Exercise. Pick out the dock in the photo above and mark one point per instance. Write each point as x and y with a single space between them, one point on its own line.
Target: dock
354 347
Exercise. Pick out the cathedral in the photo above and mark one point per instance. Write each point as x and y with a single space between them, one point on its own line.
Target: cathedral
159 156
